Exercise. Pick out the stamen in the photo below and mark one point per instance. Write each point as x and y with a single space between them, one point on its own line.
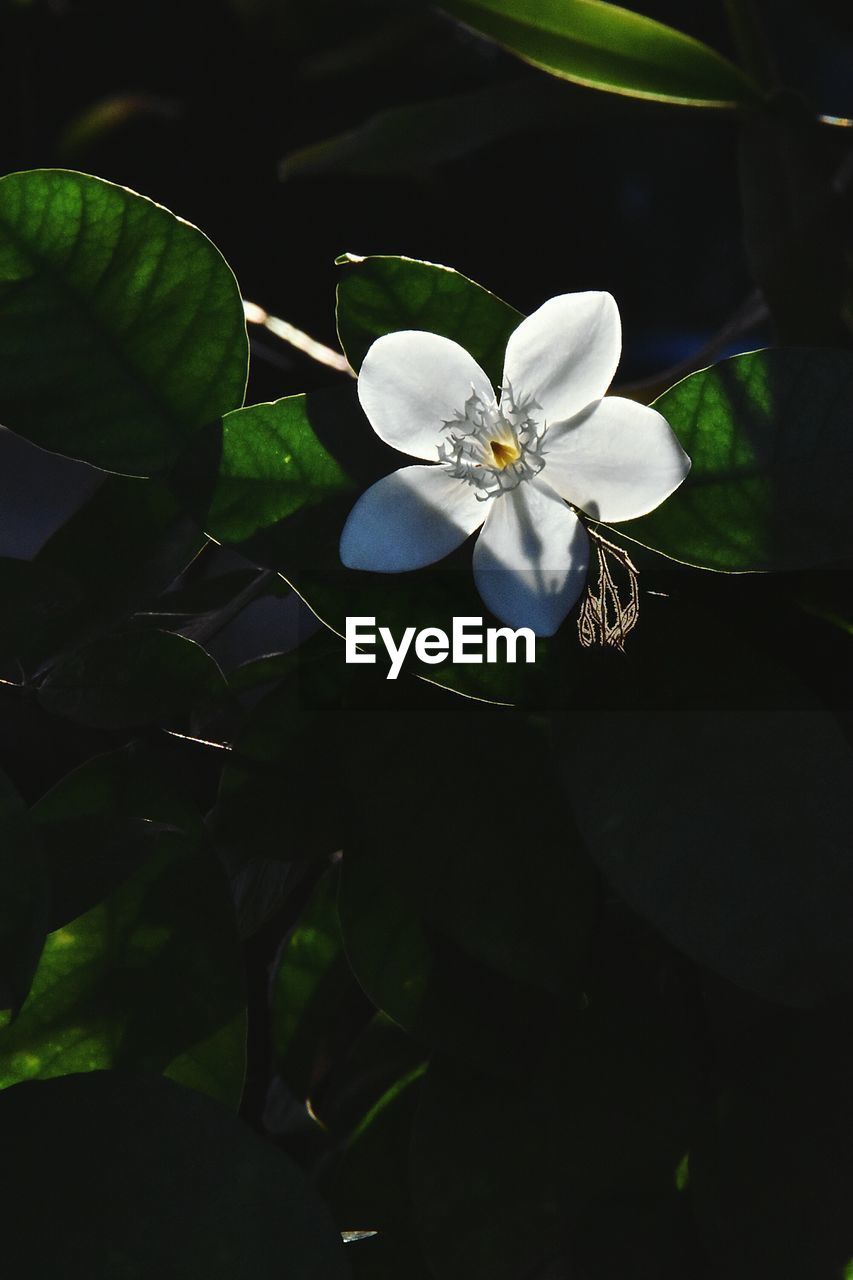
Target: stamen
494 447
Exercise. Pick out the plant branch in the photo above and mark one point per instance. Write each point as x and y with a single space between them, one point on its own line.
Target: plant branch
297 338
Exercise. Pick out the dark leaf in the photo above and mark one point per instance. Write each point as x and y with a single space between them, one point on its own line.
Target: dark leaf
133 678
793 225
23 900
771 1172
503 1176
431 985
466 819
138 1177
102 822
116 554
716 797
370 1189
310 987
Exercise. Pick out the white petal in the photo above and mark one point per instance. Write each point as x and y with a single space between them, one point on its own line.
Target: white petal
410 519
531 559
566 353
411 383
616 461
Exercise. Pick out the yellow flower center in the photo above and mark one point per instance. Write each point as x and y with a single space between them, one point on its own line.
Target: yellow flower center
504 452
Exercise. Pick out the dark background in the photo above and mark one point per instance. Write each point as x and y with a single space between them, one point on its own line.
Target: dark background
195 104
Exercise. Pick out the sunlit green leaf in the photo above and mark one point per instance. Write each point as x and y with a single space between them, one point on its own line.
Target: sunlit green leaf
379 295
138 1177
608 47
150 979
265 464
769 436
121 325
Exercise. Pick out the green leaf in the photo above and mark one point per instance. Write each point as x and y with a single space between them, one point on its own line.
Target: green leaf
309 988
505 1176
794 224
265 482
23 899
71 590
150 979
366 1066
370 1187
430 984
771 1171
769 437
473 833
419 136
135 678
138 1177
110 120
607 47
379 295
280 765
260 888
121 325
101 822
714 793
416 138
264 465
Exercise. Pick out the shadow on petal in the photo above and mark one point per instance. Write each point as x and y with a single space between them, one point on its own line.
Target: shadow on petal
410 519
531 560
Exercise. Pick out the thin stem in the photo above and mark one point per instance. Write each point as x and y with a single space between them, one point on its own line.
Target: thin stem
207 625
297 338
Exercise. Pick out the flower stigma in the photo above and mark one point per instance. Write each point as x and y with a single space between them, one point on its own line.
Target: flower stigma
504 453
493 447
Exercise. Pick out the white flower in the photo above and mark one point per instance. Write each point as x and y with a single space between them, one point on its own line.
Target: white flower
520 465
